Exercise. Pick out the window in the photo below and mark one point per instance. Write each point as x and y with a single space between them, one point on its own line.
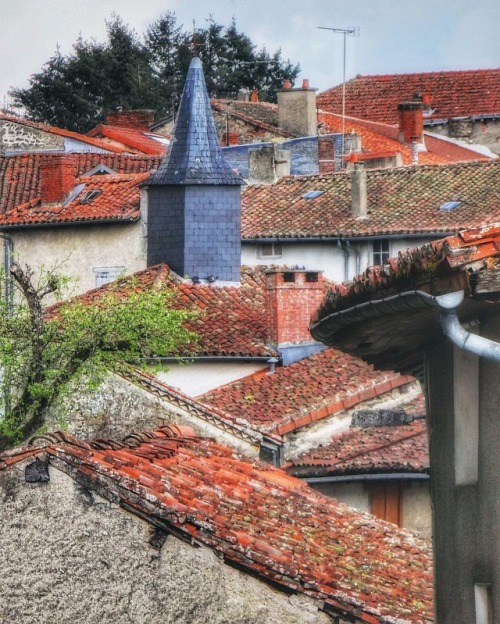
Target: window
312 194
271 250
381 252
104 275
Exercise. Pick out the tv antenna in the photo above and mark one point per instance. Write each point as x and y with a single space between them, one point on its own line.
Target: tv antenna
353 31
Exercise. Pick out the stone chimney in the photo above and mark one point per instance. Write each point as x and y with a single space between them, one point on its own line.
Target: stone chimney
267 164
57 177
297 110
293 296
194 198
411 123
137 119
359 196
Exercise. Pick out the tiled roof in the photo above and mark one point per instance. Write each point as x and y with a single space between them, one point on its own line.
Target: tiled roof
401 201
451 94
195 156
117 199
401 448
257 517
133 140
20 175
62 132
231 320
301 393
261 115
377 137
354 315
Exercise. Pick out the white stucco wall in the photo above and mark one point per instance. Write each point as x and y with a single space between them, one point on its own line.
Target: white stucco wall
69 555
197 378
77 250
326 256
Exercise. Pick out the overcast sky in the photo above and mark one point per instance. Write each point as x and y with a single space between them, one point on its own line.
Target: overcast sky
396 36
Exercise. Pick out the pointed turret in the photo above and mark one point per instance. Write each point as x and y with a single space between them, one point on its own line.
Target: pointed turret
194 198
195 156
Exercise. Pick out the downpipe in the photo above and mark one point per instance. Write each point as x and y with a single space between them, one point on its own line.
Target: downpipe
483 347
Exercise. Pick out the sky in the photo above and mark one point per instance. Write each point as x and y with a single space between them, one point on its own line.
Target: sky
395 36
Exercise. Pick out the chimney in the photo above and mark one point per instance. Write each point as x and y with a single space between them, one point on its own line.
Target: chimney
411 123
254 96
194 198
297 109
267 164
140 119
57 177
293 296
359 197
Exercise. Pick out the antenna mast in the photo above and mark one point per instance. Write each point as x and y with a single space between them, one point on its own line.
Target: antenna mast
353 31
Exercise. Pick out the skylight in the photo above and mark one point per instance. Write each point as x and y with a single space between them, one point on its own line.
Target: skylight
451 205
312 194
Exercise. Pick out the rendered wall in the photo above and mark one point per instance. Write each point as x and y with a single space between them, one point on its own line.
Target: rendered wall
69 555
77 250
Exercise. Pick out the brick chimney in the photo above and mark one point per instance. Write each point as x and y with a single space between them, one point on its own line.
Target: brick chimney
297 110
140 119
57 177
411 122
293 296
359 196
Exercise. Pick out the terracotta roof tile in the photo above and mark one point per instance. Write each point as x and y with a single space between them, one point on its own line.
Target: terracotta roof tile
378 138
268 523
20 175
117 199
132 140
303 392
401 201
451 94
231 320
400 448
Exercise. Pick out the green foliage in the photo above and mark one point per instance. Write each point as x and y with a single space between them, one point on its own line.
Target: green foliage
40 356
78 90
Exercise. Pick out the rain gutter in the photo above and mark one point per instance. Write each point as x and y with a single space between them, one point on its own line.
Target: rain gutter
387 476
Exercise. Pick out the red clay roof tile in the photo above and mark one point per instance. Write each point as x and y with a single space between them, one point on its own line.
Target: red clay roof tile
451 94
270 524
301 393
401 201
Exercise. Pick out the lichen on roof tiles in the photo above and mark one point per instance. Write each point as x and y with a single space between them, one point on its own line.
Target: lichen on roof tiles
270 525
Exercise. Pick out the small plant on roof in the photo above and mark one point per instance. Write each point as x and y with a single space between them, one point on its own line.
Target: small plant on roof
43 350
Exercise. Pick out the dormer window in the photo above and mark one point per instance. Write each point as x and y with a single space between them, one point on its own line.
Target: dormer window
89 196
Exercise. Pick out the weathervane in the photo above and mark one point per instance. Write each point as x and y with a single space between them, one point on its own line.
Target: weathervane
353 31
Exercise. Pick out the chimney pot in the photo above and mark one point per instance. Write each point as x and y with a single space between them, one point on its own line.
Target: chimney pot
305 83
254 96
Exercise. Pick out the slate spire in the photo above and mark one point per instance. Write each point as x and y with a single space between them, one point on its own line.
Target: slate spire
194 199
195 156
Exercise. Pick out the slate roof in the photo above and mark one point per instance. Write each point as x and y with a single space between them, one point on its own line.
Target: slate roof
451 93
269 524
390 449
353 316
83 138
132 139
377 137
195 156
302 393
20 175
401 201
231 320
117 199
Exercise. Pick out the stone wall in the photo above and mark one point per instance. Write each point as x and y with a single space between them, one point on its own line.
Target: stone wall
19 137
69 555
